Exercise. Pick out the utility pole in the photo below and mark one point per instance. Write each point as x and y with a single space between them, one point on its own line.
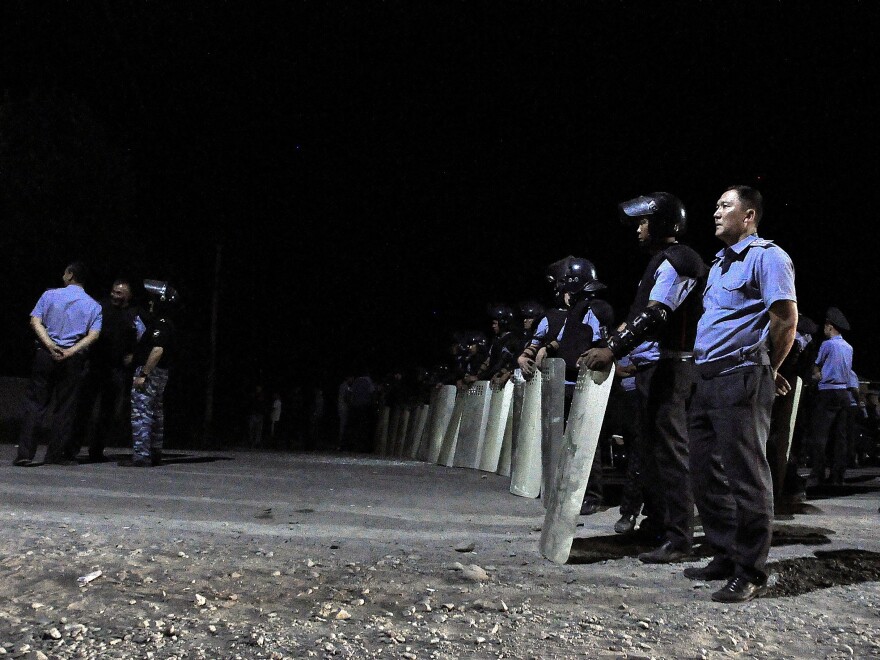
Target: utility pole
208 428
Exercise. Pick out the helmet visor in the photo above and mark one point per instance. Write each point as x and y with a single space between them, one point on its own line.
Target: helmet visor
638 207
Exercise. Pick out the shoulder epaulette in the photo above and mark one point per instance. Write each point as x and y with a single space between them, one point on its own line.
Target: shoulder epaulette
762 242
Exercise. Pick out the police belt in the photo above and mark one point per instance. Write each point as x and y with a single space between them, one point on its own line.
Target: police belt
716 367
672 355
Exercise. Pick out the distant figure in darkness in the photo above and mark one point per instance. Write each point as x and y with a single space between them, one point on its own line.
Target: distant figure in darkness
255 414
342 405
362 414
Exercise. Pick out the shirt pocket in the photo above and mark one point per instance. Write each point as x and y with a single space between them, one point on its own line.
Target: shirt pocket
733 293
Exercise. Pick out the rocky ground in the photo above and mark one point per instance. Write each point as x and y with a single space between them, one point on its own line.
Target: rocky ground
263 555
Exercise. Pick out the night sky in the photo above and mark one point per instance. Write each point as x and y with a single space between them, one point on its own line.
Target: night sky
376 173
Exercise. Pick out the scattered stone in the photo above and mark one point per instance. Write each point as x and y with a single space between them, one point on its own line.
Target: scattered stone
200 600
466 546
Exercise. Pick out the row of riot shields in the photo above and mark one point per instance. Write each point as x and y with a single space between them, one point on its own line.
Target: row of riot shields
518 430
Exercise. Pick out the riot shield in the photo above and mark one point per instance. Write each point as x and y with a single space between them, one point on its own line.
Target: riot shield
501 399
566 494
474 419
450 437
442 404
380 443
415 432
525 477
402 430
505 458
552 418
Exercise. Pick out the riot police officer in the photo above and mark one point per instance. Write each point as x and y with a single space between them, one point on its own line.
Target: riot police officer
587 322
658 334
153 356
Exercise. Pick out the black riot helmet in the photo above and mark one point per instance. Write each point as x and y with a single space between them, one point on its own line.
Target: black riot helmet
501 313
665 213
164 297
581 276
556 273
531 310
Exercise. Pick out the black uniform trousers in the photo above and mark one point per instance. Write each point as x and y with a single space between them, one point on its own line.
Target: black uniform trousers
664 387
829 424
61 379
630 427
107 389
728 424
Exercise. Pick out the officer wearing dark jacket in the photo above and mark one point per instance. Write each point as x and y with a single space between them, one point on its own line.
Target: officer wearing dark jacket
587 323
551 323
153 357
107 385
505 346
659 334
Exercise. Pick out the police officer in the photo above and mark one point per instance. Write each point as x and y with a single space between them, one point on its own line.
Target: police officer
153 355
474 357
659 334
551 323
505 347
831 403
108 381
587 322
746 331
531 313
66 321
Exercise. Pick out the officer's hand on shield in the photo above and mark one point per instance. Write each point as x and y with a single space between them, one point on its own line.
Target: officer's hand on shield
596 358
539 358
527 365
783 387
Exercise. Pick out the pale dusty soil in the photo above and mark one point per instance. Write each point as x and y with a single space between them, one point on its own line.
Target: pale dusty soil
275 556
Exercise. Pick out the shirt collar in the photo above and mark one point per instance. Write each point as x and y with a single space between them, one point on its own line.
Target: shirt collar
737 247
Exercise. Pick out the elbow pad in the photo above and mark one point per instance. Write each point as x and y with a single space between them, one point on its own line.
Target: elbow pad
638 330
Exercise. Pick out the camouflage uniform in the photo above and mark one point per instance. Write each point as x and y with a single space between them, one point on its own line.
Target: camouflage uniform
147 415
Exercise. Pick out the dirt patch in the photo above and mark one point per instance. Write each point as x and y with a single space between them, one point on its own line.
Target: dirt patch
832 568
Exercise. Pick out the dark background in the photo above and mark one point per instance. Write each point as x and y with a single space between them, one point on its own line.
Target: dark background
376 173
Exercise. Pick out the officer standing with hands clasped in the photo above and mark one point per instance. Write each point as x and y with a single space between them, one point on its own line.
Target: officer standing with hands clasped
746 331
66 321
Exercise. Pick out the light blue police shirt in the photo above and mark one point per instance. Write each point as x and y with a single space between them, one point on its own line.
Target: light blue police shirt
835 361
68 314
736 317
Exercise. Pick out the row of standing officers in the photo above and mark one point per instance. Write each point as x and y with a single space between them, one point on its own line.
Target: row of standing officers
705 345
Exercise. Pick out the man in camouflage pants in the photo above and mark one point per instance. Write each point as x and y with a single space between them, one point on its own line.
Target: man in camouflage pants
152 358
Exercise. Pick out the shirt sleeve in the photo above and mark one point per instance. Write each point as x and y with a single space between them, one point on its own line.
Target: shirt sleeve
777 276
541 332
591 320
39 309
670 288
823 354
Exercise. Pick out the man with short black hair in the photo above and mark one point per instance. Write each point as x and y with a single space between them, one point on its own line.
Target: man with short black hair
108 381
745 333
66 321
